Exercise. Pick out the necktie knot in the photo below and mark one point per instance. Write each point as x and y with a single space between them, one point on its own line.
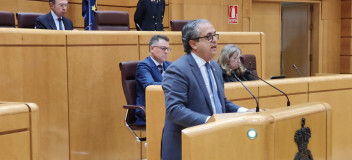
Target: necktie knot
60 23
160 67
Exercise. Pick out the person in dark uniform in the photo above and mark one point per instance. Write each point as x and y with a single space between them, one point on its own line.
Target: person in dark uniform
229 61
149 15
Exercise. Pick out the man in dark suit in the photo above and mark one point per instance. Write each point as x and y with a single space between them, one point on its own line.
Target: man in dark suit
55 18
150 71
193 87
149 15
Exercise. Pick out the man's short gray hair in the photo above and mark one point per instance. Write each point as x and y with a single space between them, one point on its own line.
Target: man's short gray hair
190 32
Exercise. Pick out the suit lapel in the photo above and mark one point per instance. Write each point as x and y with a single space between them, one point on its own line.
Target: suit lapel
155 70
198 75
64 21
51 21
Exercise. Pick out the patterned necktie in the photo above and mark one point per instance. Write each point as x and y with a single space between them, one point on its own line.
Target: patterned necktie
215 93
60 23
160 67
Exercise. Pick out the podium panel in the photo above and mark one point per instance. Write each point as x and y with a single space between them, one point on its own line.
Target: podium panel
18 131
278 133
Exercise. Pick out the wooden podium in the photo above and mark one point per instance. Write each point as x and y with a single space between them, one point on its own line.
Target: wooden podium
18 131
273 134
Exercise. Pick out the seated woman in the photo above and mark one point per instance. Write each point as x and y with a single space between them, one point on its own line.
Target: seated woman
229 61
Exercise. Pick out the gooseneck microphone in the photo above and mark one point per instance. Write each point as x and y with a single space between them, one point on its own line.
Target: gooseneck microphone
256 100
299 73
88 26
139 27
288 100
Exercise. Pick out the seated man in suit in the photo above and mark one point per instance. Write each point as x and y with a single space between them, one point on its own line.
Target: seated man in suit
150 70
55 18
193 87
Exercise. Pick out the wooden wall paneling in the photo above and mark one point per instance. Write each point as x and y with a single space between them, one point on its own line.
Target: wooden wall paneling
17 146
221 18
281 101
336 91
316 41
346 27
45 83
233 88
9 6
295 88
96 95
237 94
176 12
332 29
339 100
284 135
266 18
346 46
33 6
36 72
74 13
289 86
346 65
346 11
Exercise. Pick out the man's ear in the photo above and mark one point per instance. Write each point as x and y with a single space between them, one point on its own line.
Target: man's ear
51 4
192 43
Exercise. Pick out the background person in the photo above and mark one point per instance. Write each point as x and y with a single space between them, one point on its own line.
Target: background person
55 19
193 87
149 71
149 15
230 63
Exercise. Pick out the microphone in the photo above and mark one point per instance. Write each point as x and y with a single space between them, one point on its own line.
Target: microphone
299 73
139 27
256 100
288 100
88 26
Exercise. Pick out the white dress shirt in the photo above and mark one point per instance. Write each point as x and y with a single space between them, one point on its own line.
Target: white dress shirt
201 64
55 17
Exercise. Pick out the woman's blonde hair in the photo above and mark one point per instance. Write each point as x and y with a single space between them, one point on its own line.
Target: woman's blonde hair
224 59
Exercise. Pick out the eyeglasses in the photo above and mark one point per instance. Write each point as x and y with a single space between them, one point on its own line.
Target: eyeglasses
164 48
209 37
62 5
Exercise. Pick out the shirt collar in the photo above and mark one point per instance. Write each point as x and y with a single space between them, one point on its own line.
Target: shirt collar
54 15
200 62
155 62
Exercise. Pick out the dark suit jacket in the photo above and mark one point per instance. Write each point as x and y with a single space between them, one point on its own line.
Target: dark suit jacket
187 101
149 15
47 22
245 77
147 73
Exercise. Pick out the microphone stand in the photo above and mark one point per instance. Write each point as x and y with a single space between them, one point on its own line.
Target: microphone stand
299 73
288 100
256 101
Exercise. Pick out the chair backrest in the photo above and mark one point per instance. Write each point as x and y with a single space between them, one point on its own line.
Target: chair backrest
27 19
177 25
249 62
112 20
7 19
128 79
